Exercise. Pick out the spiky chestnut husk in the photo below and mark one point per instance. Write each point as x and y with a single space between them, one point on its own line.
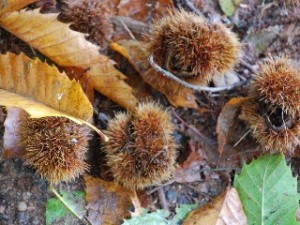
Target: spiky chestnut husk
56 147
192 48
141 150
268 128
278 85
92 17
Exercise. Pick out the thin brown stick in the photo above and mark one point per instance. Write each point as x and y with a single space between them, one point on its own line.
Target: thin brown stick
128 30
135 26
150 192
162 198
138 210
189 85
206 140
192 7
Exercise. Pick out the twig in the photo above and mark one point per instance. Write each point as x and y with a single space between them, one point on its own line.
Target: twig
248 66
134 25
150 192
128 30
202 136
138 210
191 6
192 86
241 138
162 198
68 206
197 191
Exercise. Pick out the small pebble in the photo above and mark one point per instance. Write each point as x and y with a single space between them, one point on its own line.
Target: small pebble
171 195
22 217
22 206
184 200
2 209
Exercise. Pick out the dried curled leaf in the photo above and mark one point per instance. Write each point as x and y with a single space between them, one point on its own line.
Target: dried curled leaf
226 209
13 5
12 146
227 121
107 202
69 48
41 90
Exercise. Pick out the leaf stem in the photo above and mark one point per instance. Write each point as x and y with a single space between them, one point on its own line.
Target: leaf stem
64 202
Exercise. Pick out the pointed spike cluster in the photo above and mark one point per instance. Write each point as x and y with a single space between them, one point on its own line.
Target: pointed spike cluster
92 17
141 150
273 114
56 147
192 48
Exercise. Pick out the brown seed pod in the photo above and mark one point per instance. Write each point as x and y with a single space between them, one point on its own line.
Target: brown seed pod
92 17
275 130
192 48
56 147
141 150
273 113
277 85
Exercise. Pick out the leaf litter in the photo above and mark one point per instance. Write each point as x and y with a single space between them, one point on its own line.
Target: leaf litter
203 121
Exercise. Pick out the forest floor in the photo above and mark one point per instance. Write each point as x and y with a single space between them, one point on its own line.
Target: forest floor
264 27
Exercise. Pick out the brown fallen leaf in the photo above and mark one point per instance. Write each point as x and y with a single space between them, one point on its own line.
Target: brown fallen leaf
13 5
107 202
144 11
226 209
137 54
11 139
69 48
41 90
227 121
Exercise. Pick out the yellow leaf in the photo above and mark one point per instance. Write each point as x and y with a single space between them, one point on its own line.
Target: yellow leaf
13 5
41 90
69 48
110 82
224 210
52 38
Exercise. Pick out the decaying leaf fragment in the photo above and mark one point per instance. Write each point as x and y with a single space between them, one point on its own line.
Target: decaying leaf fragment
227 121
69 48
12 147
226 209
41 90
107 202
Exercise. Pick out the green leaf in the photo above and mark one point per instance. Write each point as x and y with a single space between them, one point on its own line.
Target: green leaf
160 217
182 211
228 6
154 218
268 191
56 210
